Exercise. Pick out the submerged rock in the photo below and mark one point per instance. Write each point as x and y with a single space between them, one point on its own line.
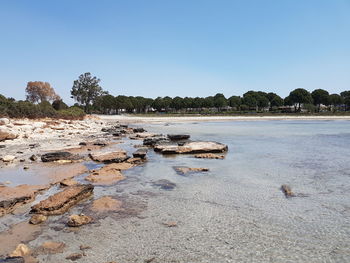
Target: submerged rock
209 156
37 219
178 137
109 157
50 247
59 203
78 220
192 147
183 170
106 204
108 174
165 184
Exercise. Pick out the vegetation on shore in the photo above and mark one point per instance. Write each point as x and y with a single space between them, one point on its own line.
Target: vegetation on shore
42 101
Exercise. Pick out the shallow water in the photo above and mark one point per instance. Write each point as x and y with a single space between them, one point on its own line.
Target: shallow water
236 212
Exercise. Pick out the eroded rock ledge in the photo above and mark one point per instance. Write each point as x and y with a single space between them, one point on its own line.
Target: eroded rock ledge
192 147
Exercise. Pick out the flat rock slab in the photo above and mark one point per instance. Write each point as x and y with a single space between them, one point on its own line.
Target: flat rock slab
209 156
178 137
106 204
108 174
164 184
152 141
59 156
140 153
192 147
59 203
183 170
109 157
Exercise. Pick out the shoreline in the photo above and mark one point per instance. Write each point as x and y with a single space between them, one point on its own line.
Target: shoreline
165 119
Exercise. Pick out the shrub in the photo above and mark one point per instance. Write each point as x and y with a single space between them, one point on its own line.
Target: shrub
46 110
72 113
59 105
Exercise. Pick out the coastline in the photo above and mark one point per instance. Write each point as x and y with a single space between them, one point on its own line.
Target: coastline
165 119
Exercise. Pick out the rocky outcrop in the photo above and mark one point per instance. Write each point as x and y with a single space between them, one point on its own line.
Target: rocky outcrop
137 130
287 191
59 156
152 141
109 157
192 147
78 220
183 170
59 203
209 156
164 184
37 219
7 136
178 137
140 153
68 182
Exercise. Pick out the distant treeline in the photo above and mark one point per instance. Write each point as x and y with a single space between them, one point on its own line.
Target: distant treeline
42 101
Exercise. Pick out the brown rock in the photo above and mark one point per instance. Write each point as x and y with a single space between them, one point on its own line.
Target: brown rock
109 157
192 147
170 224
37 219
74 256
50 247
59 203
183 170
20 251
84 247
7 136
108 174
106 204
136 160
287 191
59 157
78 220
68 182
209 156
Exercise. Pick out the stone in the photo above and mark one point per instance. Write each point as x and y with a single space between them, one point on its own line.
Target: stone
165 184
33 158
139 130
78 220
136 161
50 247
68 182
84 247
21 251
140 153
8 158
151 141
4 121
2 146
74 256
209 156
7 136
59 156
287 191
192 147
109 157
183 170
106 204
178 137
108 174
170 224
12 260
34 145
37 219
61 202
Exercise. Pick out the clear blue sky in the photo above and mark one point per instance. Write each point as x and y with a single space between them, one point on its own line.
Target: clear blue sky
176 47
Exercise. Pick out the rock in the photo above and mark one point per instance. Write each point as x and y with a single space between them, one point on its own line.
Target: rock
74 256
192 147
139 130
59 203
24 167
109 157
287 191
2 146
68 182
183 170
8 158
12 260
7 136
4 121
78 220
151 141
209 156
33 158
170 224
140 153
37 219
50 247
34 145
20 251
59 156
108 174
165 184
178 137
83 143
84 247
100 143
106 204
135 161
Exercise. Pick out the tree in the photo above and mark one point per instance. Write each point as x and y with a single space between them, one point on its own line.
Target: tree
275 100
235 102
59 105
335 100
300 96
86 89
39 91
320 96
220 101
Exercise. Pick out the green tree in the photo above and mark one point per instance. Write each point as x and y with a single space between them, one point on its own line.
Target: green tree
336 100
220 101
320 96
86 89
235 102
59 105
300 96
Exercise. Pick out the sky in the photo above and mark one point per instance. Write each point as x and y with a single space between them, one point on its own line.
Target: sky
171 48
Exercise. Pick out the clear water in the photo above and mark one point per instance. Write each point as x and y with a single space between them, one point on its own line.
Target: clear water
236 212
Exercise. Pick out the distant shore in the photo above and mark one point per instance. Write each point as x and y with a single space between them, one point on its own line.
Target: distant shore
166 118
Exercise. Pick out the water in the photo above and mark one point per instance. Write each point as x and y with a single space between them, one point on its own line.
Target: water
236 212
